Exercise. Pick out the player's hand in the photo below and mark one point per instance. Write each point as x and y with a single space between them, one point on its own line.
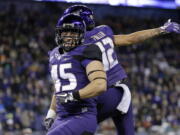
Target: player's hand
66 97
169 27
48 123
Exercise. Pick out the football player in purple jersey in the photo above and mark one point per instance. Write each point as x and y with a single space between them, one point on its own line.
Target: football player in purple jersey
115 102
78 76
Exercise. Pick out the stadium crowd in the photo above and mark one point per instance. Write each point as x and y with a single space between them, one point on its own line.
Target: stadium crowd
25 83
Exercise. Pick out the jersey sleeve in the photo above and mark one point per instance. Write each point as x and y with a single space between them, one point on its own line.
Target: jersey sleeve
91 53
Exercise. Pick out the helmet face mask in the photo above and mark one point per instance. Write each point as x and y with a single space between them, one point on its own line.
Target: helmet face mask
85 13
70 32
68 39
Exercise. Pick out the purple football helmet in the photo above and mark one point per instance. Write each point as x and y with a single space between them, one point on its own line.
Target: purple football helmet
70 23
85 13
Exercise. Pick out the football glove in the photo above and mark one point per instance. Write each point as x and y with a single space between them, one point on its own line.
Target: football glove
66 98
48 123
169 27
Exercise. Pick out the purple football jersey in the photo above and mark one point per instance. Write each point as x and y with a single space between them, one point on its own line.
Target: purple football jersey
102 36
68 72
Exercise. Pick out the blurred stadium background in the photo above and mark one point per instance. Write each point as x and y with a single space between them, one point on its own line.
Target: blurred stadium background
27 33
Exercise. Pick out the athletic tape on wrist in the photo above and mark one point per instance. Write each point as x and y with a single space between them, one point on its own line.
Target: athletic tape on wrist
51 114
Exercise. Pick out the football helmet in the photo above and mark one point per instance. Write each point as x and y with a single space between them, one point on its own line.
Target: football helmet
74 25
85 13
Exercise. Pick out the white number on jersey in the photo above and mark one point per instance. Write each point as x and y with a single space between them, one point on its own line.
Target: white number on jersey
107 53
55 71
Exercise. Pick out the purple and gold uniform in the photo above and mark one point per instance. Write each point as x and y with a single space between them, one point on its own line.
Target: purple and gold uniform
110 101
68 72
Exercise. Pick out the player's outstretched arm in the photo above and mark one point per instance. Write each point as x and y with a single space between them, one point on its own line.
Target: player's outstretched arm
136 37
140 36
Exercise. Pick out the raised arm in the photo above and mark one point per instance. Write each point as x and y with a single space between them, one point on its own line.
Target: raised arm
136 37
140 36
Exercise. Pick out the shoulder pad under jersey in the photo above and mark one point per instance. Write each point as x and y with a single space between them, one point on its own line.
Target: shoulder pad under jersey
55 54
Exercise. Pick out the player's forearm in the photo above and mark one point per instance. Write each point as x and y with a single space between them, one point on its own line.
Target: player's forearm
136 37
144 35
53 103
93 89
52 110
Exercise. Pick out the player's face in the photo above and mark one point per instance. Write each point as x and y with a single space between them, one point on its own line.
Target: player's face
69 38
